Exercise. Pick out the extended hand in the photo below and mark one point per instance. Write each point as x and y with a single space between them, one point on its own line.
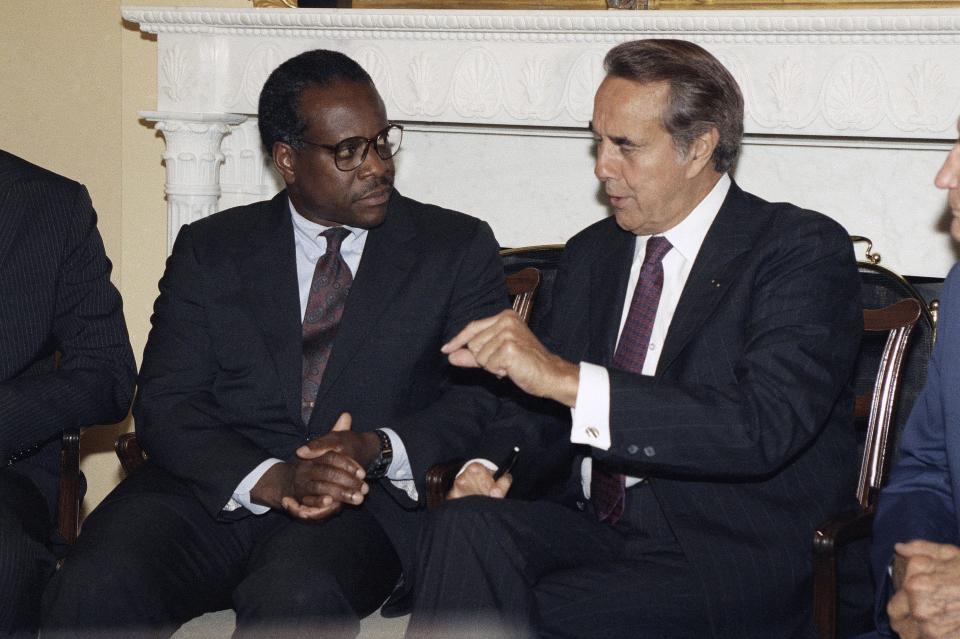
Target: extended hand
477 479
505 346
927 604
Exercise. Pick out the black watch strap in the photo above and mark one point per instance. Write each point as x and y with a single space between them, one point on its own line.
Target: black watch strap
378 467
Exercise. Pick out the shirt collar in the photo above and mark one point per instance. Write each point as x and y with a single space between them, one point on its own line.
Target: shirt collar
310 231
687 236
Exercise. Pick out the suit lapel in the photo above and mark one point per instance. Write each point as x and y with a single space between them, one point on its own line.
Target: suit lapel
711 275
388 258
269 266
608 288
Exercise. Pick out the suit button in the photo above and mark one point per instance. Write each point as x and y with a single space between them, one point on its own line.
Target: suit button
581 505
649 451
632 449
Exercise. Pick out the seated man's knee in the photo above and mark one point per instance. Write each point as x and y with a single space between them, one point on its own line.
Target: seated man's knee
117 574
466 513
294 605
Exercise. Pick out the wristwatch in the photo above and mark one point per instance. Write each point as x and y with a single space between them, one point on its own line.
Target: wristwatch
378 467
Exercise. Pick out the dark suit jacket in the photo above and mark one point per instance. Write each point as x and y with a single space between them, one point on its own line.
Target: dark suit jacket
745 430
221 374
922 498
55 295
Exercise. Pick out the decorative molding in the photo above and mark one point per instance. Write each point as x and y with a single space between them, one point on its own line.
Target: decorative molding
879 73
853 94
902 26
847 111
192 159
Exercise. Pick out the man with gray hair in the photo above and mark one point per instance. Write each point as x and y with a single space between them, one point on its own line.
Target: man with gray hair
703 340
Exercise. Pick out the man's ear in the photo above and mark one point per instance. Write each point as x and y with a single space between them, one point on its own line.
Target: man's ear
284 159
700 152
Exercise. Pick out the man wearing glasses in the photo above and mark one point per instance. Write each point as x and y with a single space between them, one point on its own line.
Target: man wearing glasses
293 373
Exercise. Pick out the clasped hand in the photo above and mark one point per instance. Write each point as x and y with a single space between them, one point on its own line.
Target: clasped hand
927 601
505 346
325 473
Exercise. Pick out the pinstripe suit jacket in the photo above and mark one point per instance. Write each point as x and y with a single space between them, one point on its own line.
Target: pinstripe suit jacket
55 295
744 432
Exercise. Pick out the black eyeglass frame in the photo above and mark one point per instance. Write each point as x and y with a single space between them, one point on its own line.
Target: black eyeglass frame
367 142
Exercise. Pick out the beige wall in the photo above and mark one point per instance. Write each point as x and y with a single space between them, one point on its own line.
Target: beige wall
74 77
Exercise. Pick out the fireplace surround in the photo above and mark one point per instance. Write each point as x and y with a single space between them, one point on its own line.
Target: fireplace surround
849 112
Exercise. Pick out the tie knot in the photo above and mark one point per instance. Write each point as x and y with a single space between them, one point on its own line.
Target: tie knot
335 237
657 247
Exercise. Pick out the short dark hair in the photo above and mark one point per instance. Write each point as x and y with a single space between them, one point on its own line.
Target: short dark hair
279 109
703 93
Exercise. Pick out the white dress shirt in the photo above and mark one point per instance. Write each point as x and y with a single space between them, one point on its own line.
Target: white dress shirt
310 247
591 415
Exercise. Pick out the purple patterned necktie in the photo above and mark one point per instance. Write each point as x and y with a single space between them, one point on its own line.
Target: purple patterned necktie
328 295
607 490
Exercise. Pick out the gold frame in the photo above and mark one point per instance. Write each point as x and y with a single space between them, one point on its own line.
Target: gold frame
643 4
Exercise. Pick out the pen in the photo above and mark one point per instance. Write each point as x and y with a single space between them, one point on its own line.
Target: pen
507 464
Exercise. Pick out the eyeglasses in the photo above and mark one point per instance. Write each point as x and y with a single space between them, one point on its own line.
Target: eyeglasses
350 153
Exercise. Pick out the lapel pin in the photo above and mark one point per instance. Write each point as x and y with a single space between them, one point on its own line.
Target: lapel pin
716 283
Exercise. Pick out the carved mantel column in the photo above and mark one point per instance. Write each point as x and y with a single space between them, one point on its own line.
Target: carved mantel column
193 159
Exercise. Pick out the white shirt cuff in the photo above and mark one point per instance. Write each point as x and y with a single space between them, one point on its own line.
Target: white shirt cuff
486 463
241 495
399 472
591 414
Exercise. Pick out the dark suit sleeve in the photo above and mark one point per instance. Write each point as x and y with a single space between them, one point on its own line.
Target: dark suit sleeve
94 381
917 502
795 330
451 425
180 421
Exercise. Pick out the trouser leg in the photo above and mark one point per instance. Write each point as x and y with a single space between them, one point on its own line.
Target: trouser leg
149 558
505 568
316 579
480 558
653 595
26 561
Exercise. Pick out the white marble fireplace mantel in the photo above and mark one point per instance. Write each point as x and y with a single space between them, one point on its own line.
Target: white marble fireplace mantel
848 112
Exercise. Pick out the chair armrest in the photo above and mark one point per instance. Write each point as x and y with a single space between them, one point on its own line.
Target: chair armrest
132 457
842 530
68 500
440 480
827 539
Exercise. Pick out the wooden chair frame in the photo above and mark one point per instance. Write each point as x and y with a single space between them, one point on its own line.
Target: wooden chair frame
68 488
68 499
898 320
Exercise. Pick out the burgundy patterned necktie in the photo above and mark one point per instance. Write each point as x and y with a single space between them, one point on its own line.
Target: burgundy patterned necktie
607 490
328 294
